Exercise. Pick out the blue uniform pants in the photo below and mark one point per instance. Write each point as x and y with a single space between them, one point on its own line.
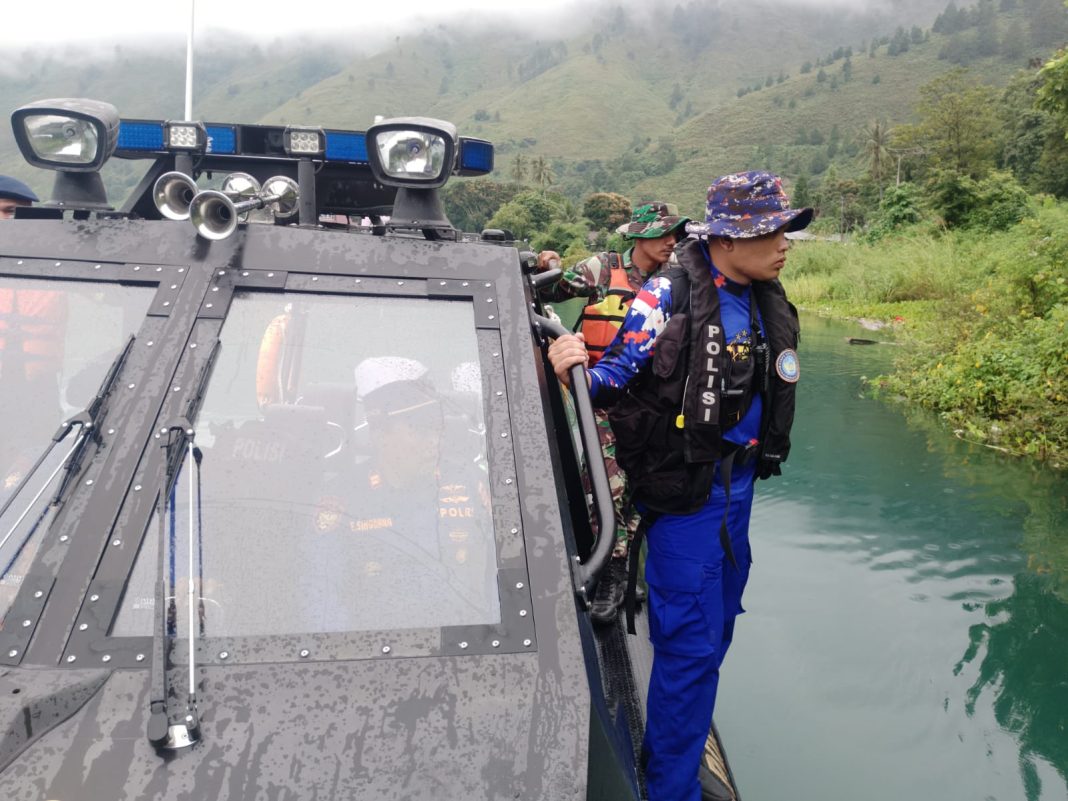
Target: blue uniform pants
695 595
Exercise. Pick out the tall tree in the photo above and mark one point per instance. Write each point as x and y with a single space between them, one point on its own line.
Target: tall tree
519 168
875 138
958 128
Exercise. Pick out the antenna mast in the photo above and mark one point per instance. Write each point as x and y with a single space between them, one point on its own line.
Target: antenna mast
189 63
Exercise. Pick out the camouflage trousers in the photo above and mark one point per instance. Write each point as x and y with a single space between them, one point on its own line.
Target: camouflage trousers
627 518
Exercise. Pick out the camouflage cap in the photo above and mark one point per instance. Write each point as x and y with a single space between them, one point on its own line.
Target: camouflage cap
746 205
652 220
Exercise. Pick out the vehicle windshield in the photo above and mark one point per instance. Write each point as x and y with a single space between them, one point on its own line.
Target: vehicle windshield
57 341
343 478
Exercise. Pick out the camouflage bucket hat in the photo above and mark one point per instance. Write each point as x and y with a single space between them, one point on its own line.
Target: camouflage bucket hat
652 220
747 205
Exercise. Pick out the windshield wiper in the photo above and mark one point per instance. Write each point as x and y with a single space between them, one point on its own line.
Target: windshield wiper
179 443
87 422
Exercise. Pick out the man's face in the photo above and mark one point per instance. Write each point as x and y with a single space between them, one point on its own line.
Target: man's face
763 257
657 250
8 206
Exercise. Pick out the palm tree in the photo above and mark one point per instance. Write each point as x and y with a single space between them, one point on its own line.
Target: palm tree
875 138
519 168
541 173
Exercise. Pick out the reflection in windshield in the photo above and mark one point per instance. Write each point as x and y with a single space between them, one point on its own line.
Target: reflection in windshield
57 341
344 472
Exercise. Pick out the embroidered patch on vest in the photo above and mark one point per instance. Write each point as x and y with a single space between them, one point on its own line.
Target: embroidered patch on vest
787 366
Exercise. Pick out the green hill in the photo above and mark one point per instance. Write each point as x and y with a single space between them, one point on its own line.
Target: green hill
647 101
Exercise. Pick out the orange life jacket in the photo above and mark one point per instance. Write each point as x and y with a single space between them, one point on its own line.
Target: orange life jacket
600 322
32 327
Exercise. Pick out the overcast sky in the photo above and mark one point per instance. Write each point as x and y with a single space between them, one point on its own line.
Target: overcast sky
26 22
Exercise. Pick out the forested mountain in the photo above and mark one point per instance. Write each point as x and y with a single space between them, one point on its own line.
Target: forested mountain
642 101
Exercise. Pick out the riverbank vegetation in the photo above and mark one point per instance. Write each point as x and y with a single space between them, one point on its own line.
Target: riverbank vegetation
981 315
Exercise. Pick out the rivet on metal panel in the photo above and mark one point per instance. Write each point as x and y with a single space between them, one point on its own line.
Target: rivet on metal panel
88 482
466 283
111 431
504 434
151 343
463 645
14 651
159 269
400 283
526 643
359 281
508 481
441 283
491 317
224 654
515 531
19 261
181 269
140 658
72 658
94 598
522 612
222 272
519 585
489 300
487 285
166 303
304 653
499 393
496 643
245 274
131 386
58 263
63 538
137 487
315 278
105 658
207 305
386 649
192 345
83 626
215 289
496 355
116 543
270 275
27 623
176 389
137 268
174 286
38 593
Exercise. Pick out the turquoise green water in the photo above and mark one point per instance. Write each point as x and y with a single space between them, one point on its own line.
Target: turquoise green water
907 626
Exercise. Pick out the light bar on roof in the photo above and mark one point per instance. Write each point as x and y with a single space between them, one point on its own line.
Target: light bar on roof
476 157
140 135
222 139
185 137
299 141
346 146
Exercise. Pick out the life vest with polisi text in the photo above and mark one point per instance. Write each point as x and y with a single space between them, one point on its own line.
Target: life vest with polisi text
669 425
600 321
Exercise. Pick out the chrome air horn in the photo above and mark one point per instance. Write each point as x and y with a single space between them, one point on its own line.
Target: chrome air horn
215 215
174 192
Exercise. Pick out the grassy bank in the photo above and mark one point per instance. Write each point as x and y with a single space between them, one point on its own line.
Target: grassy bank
982 316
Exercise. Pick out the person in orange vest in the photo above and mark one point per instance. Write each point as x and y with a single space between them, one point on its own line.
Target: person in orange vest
610 281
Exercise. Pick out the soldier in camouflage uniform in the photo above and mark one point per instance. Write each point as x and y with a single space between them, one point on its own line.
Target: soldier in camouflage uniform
610 281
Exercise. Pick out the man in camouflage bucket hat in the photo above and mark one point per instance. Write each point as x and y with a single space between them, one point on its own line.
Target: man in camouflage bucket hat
610 281
701 387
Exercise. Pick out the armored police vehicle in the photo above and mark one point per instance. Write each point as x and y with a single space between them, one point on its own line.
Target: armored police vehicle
290 503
